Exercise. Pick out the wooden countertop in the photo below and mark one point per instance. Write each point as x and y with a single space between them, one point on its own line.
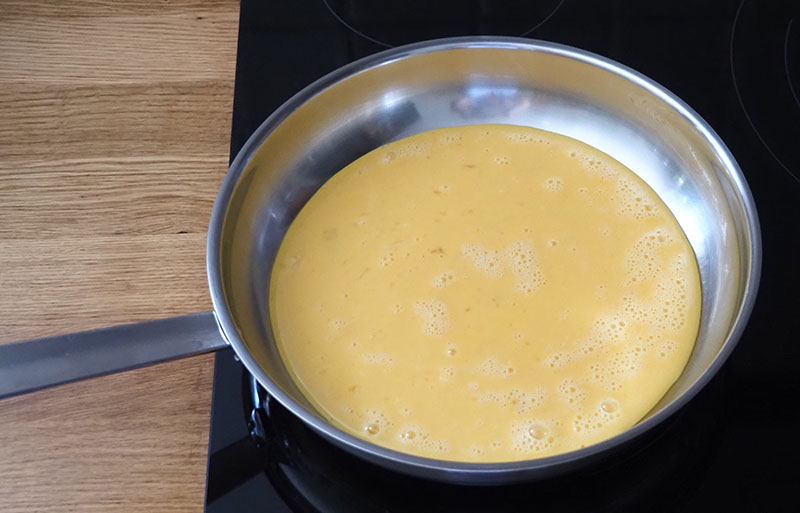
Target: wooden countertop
114 131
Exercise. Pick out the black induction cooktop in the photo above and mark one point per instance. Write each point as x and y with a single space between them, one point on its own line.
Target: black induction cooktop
734 447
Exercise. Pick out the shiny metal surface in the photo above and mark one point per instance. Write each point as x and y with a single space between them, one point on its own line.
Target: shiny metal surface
460 81
45 362
395 94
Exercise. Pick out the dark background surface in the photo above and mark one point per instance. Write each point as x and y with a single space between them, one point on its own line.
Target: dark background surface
738 65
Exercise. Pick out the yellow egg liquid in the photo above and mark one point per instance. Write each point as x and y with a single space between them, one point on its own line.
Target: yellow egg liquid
485 293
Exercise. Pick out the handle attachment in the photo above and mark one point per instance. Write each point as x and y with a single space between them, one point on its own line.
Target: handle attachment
45 362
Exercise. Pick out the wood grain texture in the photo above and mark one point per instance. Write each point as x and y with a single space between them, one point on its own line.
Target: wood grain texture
129 442
114 132
112 49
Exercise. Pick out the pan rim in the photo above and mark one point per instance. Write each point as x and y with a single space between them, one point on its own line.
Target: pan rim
442 468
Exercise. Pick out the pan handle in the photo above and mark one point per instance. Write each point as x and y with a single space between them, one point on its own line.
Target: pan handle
45 362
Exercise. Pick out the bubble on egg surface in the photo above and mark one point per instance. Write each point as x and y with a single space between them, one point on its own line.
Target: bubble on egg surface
554 184
521 258
409 433
444 279
668 309
375 422
337 324
572 393
477 451
632 200
537 431
491 367
520 137
635 309
386 259
416 436
519 400
559 359
412 149
600 291
486 260
609 405
643 259
595 165
434 315
389 157
613 328
379 358
603 415
439 446
673 297
666 349
449 138
447 373
525 137
533 435
610 372
594 344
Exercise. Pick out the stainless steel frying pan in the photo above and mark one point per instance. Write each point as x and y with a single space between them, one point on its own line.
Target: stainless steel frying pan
395 94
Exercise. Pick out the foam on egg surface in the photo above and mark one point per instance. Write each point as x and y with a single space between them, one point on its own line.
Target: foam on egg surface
485 293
